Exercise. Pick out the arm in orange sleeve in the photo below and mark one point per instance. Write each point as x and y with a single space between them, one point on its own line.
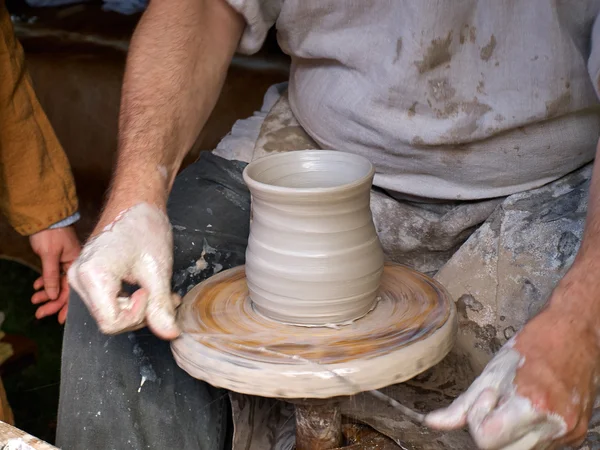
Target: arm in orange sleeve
36 185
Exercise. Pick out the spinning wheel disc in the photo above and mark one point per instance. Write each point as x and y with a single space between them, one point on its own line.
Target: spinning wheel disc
228 344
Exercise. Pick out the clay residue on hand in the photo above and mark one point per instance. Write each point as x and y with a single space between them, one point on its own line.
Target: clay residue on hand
436 54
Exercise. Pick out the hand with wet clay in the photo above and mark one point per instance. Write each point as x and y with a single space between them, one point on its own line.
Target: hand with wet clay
136 248
538 391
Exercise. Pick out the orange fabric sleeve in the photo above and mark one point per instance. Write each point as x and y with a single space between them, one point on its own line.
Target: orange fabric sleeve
36 183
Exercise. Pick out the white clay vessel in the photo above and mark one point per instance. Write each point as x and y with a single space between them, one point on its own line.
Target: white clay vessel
313 255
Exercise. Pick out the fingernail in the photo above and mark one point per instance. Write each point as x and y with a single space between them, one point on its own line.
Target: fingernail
169 328
52 293
172 327
161 318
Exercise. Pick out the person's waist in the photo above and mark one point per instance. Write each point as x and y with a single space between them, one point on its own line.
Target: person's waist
503 164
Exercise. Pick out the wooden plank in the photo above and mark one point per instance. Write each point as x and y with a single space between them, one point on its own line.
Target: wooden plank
20 440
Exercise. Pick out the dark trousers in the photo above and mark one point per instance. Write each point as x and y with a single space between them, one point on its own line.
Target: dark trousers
126 391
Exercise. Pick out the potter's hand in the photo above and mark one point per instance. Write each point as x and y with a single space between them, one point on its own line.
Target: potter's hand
137 248
57 248
537 392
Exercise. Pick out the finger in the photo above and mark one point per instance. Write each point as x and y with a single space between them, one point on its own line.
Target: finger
532 440
62 315
484 405
176 300
98 289
48 309
455 415
577 434
160 317
42 296
51 273
39 297
160 314
512 421
498 375
66 265
63 296
450 418
38 284
132 312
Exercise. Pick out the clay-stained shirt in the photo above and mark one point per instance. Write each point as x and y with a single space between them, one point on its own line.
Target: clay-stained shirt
450 100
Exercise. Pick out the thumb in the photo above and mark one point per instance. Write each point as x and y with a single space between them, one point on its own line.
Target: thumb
160 311
455 415
160 316
450 418
51 273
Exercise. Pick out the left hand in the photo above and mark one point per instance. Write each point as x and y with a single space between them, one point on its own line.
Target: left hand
57 248
539 390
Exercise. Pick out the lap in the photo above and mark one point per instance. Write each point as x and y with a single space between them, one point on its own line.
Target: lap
503 275
126 391
500 277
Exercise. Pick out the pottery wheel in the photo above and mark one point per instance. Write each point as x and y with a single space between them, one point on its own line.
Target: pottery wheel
228 344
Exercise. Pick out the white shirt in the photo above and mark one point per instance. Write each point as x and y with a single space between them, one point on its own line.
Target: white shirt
449 99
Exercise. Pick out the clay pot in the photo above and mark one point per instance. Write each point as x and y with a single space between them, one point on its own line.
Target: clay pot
313 254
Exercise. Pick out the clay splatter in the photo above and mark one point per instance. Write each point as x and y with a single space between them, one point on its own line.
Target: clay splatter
481 87
147 372
468 32
418 141
398 50
201 264
412 110
486 52
558 105
472 110
436 54
441 90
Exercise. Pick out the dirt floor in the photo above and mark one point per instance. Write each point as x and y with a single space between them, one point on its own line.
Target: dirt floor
33 390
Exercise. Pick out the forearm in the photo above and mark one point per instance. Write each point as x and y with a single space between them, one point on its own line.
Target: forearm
177 64
579 290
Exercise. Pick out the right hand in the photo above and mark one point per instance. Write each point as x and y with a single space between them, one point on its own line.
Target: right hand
137 248
57 248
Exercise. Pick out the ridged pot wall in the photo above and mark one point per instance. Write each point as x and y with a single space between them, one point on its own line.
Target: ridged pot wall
313 254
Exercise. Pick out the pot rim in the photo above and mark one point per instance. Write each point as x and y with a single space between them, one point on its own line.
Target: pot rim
265 187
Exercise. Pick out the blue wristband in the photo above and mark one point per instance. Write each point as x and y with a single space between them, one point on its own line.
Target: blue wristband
66 222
